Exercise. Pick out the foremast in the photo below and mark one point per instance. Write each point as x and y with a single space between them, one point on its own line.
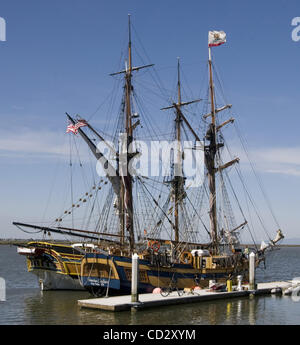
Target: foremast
126 210
121 178
126 176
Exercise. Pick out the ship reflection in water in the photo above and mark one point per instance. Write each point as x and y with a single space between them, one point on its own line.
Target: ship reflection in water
59 307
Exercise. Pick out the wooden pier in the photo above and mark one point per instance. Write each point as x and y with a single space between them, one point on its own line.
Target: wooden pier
123 303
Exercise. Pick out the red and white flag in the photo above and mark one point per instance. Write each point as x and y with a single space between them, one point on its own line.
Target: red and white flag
80 123
74 128
71 128
216 38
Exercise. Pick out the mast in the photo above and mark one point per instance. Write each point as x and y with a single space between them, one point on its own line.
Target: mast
178 166
210 153
126 199
127 179
121 179
178 171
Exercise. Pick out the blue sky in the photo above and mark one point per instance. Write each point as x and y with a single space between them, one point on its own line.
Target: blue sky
58 55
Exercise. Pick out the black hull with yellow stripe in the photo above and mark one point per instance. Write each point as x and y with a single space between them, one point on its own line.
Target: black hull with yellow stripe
57 266
101 273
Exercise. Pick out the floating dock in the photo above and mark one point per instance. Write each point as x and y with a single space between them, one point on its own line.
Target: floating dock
150 300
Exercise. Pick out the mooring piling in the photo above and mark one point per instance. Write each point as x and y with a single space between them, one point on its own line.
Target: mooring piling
252 284
134 278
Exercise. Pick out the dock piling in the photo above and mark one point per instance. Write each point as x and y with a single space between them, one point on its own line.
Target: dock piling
252 285
239 283
134 278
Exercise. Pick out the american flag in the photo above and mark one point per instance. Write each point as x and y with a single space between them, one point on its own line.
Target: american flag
74 128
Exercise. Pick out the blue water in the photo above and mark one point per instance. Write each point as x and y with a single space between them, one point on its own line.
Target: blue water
26 305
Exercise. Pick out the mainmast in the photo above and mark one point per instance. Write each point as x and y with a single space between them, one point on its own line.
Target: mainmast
178 166
178 184
210 153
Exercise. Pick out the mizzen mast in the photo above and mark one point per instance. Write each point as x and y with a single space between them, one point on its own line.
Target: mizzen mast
210 153
215 38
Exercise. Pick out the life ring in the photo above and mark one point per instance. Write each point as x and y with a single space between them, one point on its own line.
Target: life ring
155 245
186 258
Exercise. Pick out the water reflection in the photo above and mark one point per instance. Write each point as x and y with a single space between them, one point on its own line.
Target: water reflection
228 311
239 310
234 312
52 307
31 307
60 307
252 305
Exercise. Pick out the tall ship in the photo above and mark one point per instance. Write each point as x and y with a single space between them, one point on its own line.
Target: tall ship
185 227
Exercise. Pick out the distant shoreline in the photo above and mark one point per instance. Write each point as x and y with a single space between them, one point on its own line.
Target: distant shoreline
24 241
